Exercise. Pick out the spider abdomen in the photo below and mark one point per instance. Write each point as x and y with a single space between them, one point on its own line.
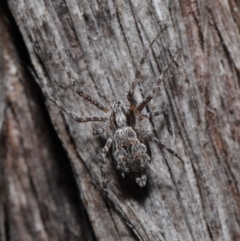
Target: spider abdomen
130 155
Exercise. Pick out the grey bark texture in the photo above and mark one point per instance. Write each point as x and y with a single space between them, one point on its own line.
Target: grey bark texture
50 179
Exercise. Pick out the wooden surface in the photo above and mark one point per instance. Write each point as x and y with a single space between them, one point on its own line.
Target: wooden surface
50 179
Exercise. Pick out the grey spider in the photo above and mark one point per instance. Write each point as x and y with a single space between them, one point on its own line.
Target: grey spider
128 139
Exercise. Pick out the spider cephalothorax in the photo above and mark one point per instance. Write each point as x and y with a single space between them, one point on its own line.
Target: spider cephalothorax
118 117
128 140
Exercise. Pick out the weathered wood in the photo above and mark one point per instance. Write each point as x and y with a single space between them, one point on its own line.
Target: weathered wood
39 199
102 43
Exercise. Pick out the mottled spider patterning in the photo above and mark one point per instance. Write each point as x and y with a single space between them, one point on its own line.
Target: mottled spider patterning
128 139
129 152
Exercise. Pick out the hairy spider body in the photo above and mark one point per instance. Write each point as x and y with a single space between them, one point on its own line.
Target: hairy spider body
131 155
129 152
128 139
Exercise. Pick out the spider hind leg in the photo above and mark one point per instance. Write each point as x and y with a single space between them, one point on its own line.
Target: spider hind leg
102 163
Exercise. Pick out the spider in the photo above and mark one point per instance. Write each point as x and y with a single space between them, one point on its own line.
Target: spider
128 139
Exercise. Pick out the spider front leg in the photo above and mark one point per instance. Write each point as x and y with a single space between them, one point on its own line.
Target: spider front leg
130 95
102 156
74 116
81 93
150 114
154 139
141 106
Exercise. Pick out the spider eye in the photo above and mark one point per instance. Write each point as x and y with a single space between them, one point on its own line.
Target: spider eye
118 104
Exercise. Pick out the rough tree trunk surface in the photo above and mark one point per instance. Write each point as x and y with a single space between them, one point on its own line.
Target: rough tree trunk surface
50 180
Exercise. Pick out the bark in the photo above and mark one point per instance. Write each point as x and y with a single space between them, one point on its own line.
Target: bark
50 179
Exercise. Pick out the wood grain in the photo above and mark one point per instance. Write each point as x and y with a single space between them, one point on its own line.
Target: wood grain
102 43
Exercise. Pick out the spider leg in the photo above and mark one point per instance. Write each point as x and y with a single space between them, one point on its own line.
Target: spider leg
130 94
74 116
152 138
149 115
141 106
81 93
102 156
101 130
